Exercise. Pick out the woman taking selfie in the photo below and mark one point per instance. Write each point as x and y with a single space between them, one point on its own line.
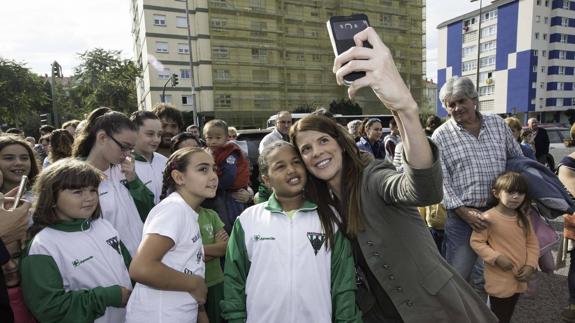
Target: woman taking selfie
402 276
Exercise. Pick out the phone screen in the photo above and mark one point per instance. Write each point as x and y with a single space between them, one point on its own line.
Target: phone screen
344 30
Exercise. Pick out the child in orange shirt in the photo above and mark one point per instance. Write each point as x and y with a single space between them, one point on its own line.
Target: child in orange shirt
508 246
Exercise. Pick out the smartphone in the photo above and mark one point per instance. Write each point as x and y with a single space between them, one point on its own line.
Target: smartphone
20 192
341 30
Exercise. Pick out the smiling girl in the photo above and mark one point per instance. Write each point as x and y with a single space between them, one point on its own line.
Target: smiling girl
169 265
287 262
75 268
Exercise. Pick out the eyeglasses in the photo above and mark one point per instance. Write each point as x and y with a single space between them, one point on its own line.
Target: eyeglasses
123 147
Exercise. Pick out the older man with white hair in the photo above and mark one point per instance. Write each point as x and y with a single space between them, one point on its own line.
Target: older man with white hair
474 149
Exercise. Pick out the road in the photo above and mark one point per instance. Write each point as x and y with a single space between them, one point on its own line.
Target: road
551 296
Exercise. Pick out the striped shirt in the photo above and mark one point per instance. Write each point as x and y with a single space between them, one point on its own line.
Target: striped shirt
471 164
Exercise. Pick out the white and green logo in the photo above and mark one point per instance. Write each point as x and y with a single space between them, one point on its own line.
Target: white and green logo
258 237
316 240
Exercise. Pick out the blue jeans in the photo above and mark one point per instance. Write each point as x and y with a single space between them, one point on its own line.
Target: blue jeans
458 252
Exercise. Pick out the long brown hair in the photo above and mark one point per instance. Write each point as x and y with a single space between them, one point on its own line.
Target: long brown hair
9 140
65 174
514 182
353 163
61 142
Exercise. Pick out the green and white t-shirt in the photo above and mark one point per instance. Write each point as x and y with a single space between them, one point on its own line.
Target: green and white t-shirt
210 223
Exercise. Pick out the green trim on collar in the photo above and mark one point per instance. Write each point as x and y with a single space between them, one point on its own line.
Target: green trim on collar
141 158
274 206
72 226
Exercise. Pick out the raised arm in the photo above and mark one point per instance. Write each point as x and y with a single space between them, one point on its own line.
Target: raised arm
386 82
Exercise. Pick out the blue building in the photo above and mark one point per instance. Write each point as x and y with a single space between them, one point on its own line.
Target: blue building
523 51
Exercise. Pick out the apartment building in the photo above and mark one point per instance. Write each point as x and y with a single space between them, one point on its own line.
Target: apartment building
252 58
524 52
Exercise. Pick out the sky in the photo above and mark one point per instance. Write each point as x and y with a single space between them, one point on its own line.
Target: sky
40 32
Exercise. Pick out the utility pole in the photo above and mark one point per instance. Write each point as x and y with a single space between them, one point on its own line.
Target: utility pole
195 109
56 72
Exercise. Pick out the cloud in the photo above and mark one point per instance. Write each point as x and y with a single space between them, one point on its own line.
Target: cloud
40 32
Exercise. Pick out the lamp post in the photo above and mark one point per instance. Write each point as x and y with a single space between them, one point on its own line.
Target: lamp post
194 107
478 44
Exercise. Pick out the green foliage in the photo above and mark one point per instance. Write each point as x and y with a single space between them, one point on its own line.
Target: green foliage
103 78
22 93
345 107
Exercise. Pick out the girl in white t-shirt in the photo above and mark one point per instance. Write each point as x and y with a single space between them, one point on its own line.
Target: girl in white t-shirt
168 266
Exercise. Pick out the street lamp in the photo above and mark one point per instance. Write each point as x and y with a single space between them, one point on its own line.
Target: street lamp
195 109
478 45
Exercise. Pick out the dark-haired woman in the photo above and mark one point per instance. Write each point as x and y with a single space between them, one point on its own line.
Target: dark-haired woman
106 142
395 255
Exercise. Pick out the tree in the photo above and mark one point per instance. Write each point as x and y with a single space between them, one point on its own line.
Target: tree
22 93
103 78
345 107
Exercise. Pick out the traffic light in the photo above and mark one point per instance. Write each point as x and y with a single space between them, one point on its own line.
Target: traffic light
45 119
56 69
174 79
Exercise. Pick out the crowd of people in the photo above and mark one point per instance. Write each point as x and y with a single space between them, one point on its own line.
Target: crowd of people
141 219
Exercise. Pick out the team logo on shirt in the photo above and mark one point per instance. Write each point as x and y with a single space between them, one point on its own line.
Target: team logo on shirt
114 242
199 256
316 240
258 237
78 262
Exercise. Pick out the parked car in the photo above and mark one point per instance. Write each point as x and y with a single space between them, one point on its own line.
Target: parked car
252 138
557 137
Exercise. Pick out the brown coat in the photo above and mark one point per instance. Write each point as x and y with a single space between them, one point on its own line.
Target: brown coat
401 253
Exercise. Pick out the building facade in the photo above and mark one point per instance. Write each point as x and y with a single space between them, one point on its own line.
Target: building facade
252 58
524 52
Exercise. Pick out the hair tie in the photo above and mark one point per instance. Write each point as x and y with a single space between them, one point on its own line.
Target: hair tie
173 165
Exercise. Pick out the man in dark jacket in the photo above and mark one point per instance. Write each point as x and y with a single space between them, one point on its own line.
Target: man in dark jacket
541 140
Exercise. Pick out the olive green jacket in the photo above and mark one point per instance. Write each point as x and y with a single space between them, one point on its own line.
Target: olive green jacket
401 253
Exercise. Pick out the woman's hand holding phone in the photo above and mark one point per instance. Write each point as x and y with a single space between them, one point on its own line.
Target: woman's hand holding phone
381 73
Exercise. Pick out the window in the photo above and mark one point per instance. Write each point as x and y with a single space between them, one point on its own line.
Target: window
316 57
469 50
221 52
300 57
533 85
560 86
159 20
562 54
487 61
222 75
260 75
486 90
483 76
542 69
546 20
167 98
187 100
259 54
259 28
469 66
564 39
165 74
546 3
565 22
258 5
566 4
185 74
314 34
489 31
561 70
487 46
544 36
489 15
534 68
537 18
535 52
538 2
161 47
183 48
218 23
542 85
181 22
536 35
544 53
314 13
224 100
